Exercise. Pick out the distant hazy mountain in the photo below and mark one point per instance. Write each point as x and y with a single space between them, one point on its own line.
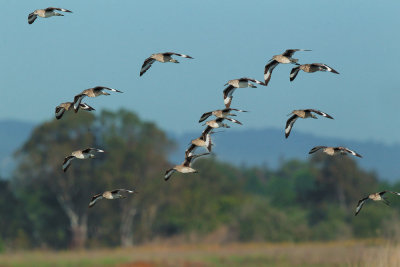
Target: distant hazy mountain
12 136
269 146
249 147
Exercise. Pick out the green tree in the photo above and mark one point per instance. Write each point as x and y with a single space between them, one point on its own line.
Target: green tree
136 158
340 180
135 153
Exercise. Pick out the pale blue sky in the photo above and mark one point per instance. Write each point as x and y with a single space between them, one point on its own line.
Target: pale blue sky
105 43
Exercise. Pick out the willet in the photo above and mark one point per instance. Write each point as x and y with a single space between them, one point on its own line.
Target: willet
160 57
46 13
79 154
114 194
284 58
331 151
220 113
185 167
310 68
60 109
91 92
238 83
302 113
375 197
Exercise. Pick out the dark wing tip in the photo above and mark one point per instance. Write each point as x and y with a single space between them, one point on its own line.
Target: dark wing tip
329 116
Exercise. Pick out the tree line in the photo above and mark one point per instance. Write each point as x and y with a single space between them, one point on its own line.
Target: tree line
43 207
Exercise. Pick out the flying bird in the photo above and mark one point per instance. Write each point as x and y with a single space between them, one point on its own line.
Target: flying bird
217 123
114 194
79 154
160 57
202 141
185 167
310 68
302 113
46 13
91 92
238 83
375 197
220 113
331 151
60 109
284 58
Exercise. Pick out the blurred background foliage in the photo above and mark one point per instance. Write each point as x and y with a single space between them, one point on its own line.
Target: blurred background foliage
42 207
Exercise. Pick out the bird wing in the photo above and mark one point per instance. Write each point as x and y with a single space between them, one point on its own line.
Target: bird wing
77 101
290 52
320 113
190 159
254 81
49 9
268 70
349 151
383 192
85 106
324 67
190 150
205 116
360 204
91 149
228 92
94 199
393 192
233 120
177 54
294 73
67 162
146 65
289 125
209 142
235 109
206 131
168 173
31 18
59 112
116 191
99 88
315 149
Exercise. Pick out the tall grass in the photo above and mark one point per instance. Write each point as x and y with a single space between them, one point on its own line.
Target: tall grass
385 256
342 253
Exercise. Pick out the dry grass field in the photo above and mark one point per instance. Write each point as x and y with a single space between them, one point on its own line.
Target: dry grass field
343 253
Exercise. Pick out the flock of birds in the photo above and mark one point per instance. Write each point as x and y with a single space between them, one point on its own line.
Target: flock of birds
204 140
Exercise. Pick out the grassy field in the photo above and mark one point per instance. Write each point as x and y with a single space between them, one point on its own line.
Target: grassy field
344 253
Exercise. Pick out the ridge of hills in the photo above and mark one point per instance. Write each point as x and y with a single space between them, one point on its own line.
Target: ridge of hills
269 147
241 147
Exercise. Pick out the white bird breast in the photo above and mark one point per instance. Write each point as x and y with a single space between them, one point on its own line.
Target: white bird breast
243 84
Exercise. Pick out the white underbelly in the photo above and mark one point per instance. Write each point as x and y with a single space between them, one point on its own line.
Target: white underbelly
48 14
284 60
243 84
83 156
187 170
